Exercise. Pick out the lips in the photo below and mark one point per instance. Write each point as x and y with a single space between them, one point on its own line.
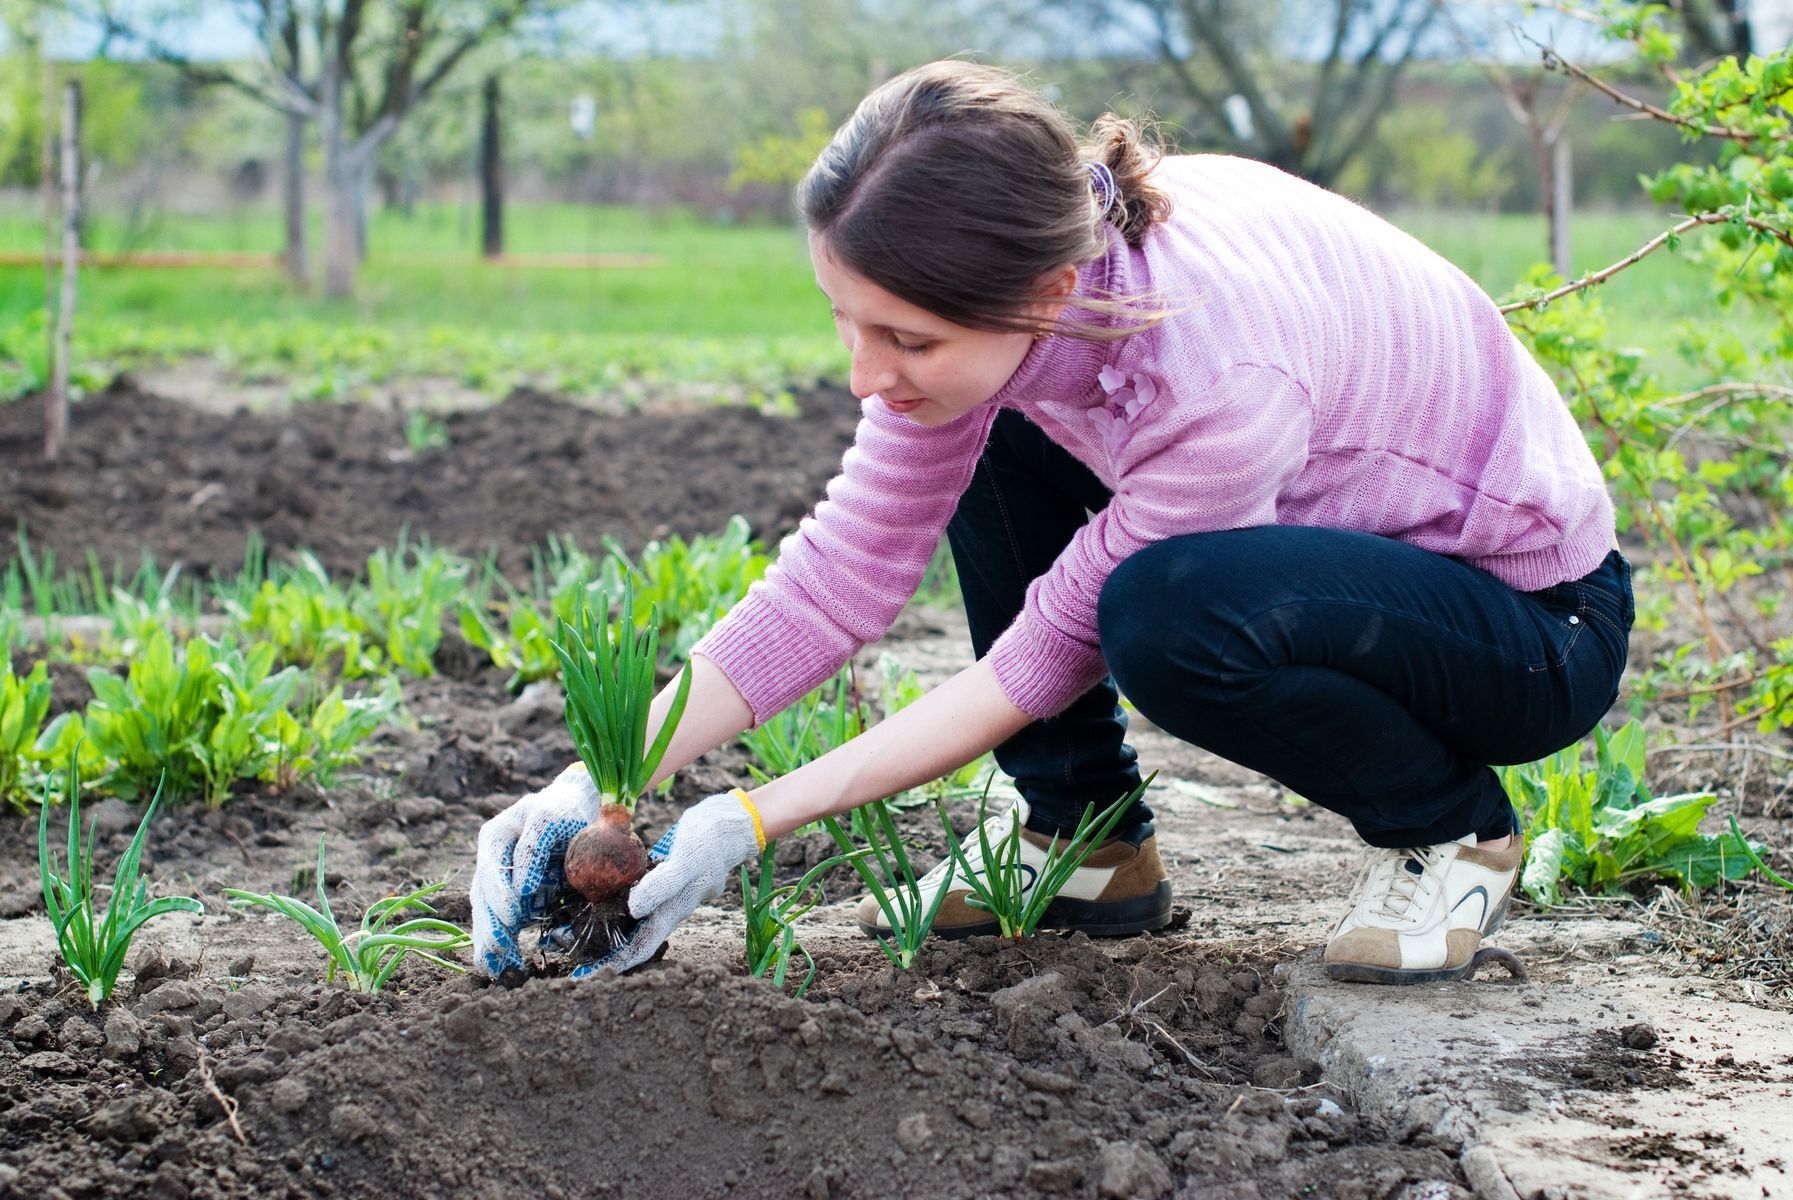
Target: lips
903 406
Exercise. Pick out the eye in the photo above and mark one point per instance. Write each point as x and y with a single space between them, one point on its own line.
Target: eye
910 347
836 313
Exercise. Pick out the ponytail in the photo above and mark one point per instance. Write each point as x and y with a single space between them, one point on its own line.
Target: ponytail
1129 150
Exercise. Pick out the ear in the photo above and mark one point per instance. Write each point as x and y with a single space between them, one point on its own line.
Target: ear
1060 285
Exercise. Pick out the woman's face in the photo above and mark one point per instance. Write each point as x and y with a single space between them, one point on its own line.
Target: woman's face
917 364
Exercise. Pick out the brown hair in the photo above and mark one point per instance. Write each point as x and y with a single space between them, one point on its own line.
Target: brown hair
958 189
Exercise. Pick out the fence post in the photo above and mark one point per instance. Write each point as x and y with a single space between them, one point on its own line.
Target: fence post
491 174
47 187
56 417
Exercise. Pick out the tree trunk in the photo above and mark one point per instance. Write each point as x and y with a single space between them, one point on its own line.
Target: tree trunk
491 175
297 257
56 415
1562 203
340 259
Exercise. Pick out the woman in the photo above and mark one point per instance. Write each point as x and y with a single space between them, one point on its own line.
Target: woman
1197 430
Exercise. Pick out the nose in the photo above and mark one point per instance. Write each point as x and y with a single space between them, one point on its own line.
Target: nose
872 372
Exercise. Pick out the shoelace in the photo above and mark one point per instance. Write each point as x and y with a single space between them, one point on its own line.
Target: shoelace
1390 885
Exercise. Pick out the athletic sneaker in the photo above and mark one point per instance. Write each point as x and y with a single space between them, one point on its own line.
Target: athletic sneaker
1419 915
1120 889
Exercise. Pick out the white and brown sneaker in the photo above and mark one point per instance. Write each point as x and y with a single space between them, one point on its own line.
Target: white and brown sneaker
1419 915
1120 889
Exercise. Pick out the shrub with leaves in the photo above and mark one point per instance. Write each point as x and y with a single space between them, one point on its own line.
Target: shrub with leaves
1701 473
23 705
1601 829
94 944
368 956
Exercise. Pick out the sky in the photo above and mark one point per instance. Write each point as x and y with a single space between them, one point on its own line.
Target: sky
627 28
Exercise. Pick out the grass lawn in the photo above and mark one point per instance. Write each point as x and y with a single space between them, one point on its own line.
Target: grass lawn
724 304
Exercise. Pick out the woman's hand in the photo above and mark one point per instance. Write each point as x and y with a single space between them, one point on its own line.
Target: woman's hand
520 865
714 837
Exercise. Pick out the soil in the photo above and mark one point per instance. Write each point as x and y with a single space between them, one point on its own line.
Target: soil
139 473
1143 1067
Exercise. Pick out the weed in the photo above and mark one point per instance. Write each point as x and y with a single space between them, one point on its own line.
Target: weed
369 955
1602 829
424 431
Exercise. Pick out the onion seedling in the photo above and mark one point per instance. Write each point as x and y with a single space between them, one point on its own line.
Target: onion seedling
898 892
609 678
772 913
93 946
369 955
1018 894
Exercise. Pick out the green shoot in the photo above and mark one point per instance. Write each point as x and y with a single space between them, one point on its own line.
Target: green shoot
772 914
1018 894
23 705
94 946
894 885
367 956
609 679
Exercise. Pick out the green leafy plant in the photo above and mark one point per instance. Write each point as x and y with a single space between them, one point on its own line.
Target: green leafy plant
1600 829
309 619
524 646
893 883
408 591
369 955
690 584
609 675
23 705
1016 894
94 945
771 913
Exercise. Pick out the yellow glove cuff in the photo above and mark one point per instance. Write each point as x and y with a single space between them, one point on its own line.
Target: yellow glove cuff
759 830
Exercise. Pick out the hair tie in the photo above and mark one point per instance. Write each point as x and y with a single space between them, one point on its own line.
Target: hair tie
1102 181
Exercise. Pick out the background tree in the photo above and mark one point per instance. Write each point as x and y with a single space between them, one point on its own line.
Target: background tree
358 69
1299 84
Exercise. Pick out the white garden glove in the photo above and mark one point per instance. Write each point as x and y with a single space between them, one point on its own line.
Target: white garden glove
520 867
713 838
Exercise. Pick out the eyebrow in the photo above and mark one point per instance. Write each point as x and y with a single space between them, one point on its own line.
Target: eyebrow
908 333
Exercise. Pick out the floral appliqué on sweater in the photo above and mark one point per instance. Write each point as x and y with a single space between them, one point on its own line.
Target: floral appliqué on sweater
1128 395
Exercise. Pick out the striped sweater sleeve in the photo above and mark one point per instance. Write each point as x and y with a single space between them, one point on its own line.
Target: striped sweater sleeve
844 575
1216 460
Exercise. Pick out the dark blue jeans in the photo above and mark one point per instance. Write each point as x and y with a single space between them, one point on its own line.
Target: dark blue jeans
1376 679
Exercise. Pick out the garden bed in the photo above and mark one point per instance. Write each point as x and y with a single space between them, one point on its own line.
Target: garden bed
1141 1067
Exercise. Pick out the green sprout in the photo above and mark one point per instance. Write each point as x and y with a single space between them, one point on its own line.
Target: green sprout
369 955
94 947
894 885
609 680
1016 894
772 914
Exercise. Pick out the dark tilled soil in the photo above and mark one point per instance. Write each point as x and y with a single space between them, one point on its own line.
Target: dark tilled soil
985 1072
140 473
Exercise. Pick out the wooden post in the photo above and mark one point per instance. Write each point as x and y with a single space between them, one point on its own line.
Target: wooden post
491 175
297 256
47 187
1562 203
56 416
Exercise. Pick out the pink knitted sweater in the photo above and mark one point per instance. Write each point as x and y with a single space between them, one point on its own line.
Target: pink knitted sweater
1326 369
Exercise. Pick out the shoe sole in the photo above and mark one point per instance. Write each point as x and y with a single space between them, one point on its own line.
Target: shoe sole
1366 973
1097 918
